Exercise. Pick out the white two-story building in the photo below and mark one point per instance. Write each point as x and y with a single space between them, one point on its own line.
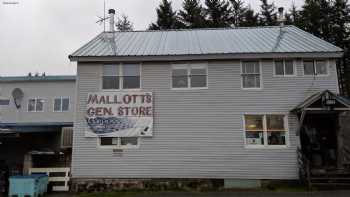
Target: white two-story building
225 104
236 105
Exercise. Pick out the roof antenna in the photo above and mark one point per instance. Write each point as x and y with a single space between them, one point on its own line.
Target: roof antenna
104 18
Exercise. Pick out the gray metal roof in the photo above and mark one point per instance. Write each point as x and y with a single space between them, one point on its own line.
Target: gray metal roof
37 78
258 40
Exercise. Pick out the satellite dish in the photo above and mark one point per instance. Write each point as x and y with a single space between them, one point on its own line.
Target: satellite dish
17 95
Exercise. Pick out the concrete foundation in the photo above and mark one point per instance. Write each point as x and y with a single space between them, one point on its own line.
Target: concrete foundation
241 184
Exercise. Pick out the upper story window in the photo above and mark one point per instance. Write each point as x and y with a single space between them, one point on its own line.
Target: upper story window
119 142
189 76
36 105
61 104
251 78
284 68
315 67
126 76
265 130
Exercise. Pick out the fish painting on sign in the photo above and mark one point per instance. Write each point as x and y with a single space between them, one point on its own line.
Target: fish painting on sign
119 114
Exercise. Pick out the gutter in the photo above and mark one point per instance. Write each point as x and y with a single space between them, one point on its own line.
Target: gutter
159 58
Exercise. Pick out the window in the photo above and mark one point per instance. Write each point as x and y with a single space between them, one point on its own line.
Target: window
36 105
315 67
119 142
131 76
110 79
61 104
284 68
189 76
250 74
121 76
265 130
254 129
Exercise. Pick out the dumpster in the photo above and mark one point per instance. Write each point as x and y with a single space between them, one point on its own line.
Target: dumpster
32 185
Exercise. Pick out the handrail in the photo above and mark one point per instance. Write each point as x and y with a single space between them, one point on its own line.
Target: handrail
63 178
346 151
304 167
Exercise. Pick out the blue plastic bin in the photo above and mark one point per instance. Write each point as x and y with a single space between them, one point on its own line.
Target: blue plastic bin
32 185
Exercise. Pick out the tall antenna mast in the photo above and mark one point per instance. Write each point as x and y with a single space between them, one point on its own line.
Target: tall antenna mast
104 18
104 15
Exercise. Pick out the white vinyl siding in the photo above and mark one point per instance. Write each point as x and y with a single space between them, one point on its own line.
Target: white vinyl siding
199 134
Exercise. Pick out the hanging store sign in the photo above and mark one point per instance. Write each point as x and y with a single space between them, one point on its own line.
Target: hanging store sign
119 114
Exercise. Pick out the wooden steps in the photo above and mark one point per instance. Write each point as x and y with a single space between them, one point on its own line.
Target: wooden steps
337 179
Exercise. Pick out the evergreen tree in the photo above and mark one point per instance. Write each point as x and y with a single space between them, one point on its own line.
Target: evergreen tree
294 15
166 17
310 17
192 15
218 13
325 20
124 24
238 12
340 18
340 28
268 14
250 18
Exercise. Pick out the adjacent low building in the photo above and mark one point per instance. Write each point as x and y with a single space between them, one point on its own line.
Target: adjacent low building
201 104
36 121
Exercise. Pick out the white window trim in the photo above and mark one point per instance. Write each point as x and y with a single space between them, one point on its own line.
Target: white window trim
61 97
118 146
284 66
314 61
261 76
188 67
266 146
35 98
121 78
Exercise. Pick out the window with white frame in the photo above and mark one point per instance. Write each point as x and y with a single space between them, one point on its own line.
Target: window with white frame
284 68
265 130
36 105
315 67
251 74
119 142
126 76
61 104
189 76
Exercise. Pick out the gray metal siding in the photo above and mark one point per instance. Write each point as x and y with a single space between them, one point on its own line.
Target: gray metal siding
199 133
39 89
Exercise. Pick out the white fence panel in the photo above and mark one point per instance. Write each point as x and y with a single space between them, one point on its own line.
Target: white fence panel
62 180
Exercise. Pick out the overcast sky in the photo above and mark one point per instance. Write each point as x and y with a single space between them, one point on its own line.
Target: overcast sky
38 35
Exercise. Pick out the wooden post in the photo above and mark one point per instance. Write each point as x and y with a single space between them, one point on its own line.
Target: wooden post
340 142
